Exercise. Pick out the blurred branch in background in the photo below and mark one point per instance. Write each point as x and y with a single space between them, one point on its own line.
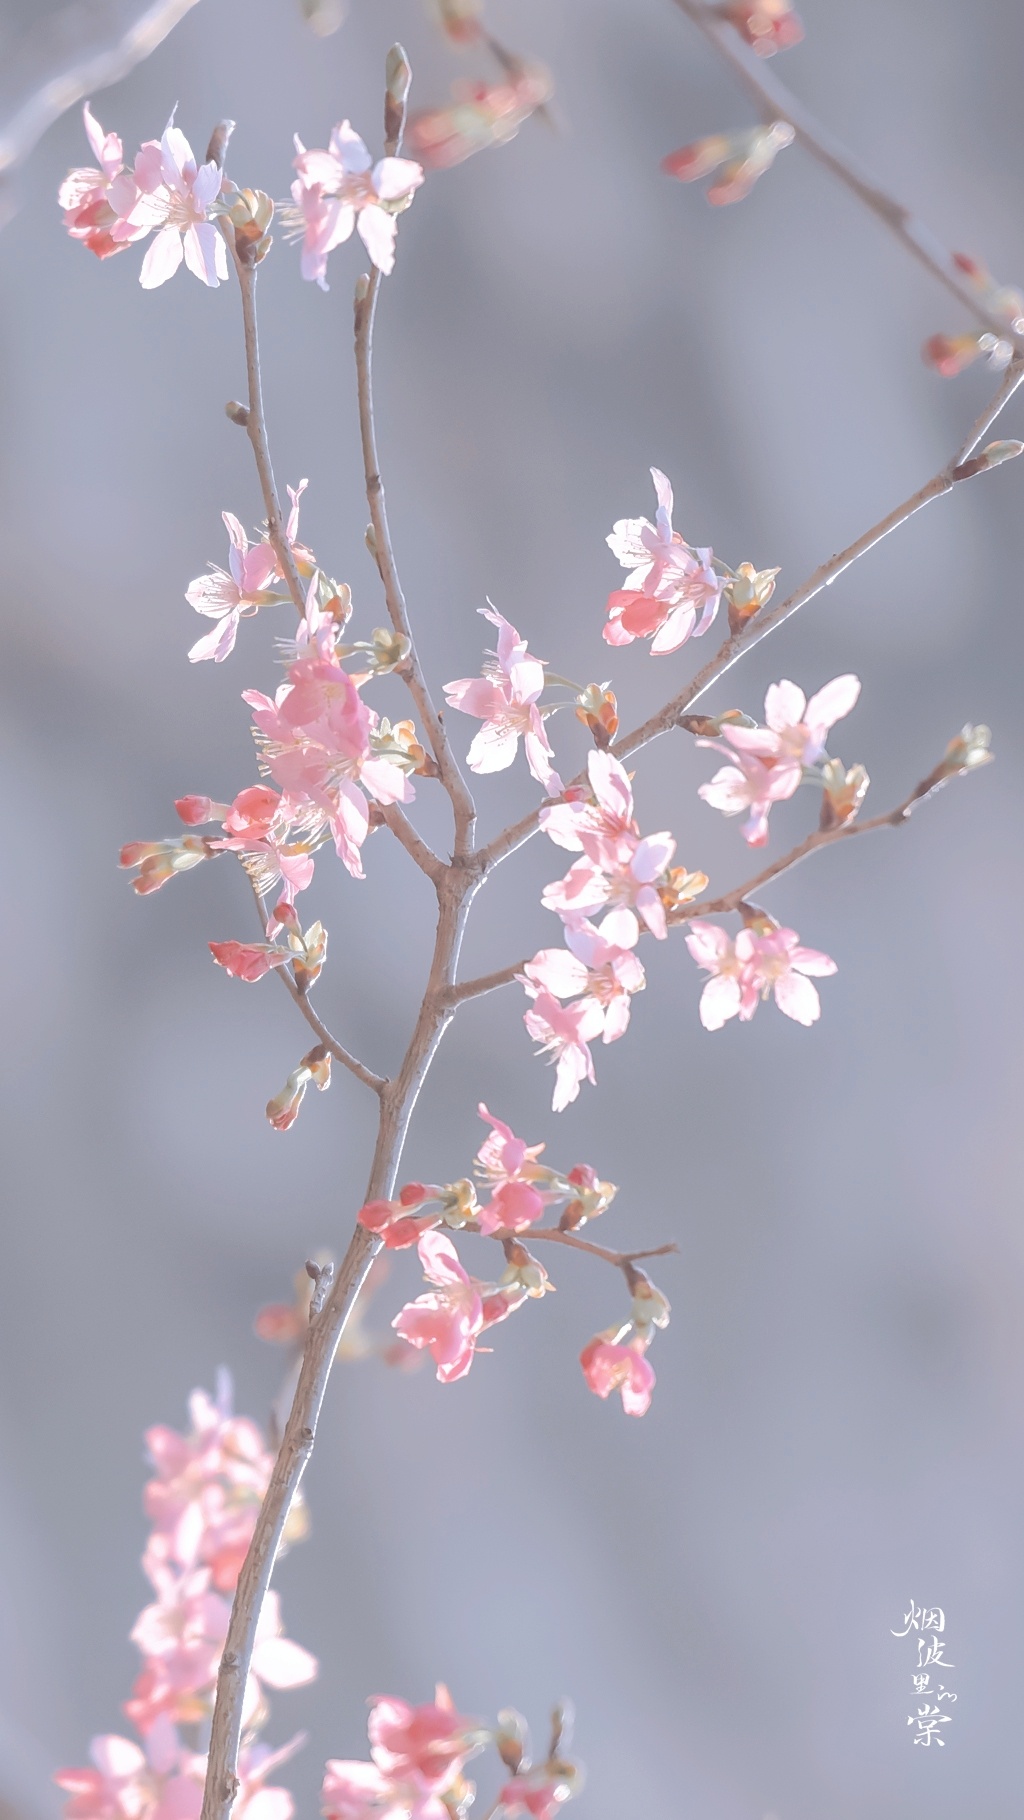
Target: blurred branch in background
65 57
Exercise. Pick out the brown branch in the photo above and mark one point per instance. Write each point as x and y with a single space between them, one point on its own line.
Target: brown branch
300 998
401 827
411 672
1011 380
487 982
757 628
777 103
256 428
621 1259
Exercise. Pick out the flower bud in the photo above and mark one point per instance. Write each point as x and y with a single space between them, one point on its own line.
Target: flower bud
967 751
512 1740
766 25
591 1197
524 1270
597 708
952 354
681 887
709 726
650 1308
844 791
238 413
160 860
283 1109
310 956
250 213
749 590
459 1204
397 77
744 157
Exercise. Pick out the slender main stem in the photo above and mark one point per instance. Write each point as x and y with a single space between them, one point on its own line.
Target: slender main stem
256 429
776 102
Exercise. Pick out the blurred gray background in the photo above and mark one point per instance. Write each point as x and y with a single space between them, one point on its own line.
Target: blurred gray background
836 1428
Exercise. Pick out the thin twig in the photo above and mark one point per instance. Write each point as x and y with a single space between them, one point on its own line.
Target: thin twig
621 1259
257 432
377 1081
751 634
404 832
777 103
487 982
411 672
1011 380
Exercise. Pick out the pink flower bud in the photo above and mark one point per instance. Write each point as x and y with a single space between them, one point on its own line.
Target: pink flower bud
248 960
767 25
194 810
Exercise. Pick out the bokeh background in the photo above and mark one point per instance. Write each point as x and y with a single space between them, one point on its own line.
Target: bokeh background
836 1429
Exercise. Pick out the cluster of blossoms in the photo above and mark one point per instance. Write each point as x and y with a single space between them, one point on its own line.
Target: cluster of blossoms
768 764
520 1191
202 1501
110 207
418 1756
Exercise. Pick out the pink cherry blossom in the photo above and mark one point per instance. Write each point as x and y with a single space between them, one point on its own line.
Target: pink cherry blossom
746 970
338 190
227 597
564 1032
446 1322
620 871
768 763
97 201
361 1791
505 699
428 1744
516 1179
608 1365
317 747
538 1793
176 197
672 592
593 966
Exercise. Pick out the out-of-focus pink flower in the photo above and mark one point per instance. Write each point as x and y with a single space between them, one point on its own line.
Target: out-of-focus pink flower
176 196
228 597
361 1791
317 747
505 699
564 1032
165 1781
481 114
672 591
757 963
208 1487
620 871
744 157
426 1744
447 1322
342 188
768 763
609 1365
539 1792
953 354
95 201
460 20
767 25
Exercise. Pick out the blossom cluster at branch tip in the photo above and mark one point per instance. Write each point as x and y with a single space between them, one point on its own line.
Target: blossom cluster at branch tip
766 25
767 764
340 189
480 115
505 698
741 158
202 1502
418 1756
952 354
110 207
762 960
449 1319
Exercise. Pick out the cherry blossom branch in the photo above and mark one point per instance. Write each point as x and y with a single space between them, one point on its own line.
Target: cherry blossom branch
404 832
376 1081
487 982
367 289
68 56
821 837
256 429
455 891
753 630
777 103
